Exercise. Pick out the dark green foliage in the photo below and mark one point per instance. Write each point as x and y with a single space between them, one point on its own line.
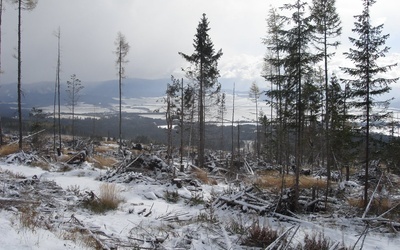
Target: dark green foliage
204 71
366 82
171 196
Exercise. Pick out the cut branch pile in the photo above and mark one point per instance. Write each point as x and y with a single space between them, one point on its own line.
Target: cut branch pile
245 199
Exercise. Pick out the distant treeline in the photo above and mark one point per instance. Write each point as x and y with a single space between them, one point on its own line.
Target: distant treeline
138 129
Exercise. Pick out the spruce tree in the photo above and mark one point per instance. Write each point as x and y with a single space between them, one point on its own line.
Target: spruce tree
366 78
204 72
171 100
298 63
272 73
328 28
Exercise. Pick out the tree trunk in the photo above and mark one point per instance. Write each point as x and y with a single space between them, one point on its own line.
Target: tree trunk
120 97
201 117
181 121
19 75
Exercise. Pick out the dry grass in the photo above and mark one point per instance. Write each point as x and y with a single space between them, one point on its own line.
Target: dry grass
108 199
41 164
109 195
259 236
274 180
203 177
64 157
9 149
77 235
356 202
378 206
316 242
28 218
14 175
104 149
101 161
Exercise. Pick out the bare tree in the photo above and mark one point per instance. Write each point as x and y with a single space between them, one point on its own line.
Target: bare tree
1 19
254 94
74 86
57 96
121 53
22 5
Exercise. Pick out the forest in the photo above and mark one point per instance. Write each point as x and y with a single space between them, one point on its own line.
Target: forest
327 147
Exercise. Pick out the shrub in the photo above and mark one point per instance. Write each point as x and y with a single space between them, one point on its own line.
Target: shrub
28 218
259 236
172 197
196 199
236 226
75 189
208 215
316 242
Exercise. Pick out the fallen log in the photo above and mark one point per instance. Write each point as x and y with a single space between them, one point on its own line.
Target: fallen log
77 158
8 202
91 234
229 201
279 239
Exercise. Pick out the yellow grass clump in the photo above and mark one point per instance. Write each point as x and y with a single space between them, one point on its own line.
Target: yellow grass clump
378 205
274 180
9 149
203 177
101 161
104 149
108 199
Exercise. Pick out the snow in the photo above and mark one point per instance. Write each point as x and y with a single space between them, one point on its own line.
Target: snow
143 193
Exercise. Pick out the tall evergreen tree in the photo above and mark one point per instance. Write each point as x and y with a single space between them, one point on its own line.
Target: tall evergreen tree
1 21
205 72
22 5
298 64
367 77
171 100
221 116
121 52
272 73
328 28
340 130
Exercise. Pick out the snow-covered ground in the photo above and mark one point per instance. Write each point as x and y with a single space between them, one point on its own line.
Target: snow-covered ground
145 216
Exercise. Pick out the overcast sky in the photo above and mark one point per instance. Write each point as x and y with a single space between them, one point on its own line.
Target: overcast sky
156 31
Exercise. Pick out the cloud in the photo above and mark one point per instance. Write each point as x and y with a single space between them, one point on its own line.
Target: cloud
156 31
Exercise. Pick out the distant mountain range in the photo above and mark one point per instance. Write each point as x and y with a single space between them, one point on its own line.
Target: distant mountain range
100 93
